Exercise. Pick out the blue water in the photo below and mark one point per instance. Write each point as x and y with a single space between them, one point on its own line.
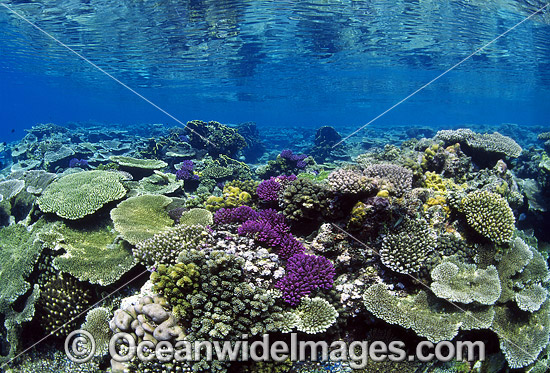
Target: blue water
284 63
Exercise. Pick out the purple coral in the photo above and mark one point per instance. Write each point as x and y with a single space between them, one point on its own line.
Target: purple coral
297 159
234 215
75 162
266 226
305 273
268 190
186 171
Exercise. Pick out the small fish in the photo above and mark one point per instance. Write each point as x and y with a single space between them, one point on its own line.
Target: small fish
522 216
12 130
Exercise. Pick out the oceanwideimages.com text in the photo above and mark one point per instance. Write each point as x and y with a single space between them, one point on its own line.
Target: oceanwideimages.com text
356 353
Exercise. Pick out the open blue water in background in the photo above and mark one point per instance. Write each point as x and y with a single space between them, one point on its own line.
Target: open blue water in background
280 63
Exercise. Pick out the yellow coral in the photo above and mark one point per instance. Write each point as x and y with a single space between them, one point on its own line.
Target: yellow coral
435 182
358 215
383 193
232 197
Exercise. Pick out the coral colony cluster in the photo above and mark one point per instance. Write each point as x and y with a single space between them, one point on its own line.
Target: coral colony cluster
417 242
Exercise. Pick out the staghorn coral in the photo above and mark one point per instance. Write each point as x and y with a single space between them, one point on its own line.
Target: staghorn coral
407 250
465 283
490 215
75 196
164 248
174 283
140 218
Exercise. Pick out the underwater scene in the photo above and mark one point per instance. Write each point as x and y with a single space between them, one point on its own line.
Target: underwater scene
274 186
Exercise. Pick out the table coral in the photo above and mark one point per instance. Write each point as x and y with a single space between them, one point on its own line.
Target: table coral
77 195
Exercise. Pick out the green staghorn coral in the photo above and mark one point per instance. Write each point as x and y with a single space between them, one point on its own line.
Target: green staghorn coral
175 283
490 215
77 195
140 218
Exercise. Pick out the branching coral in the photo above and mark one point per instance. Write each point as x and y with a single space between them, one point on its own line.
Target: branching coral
304 200
406 250
164 248
347 181
304 274
489 214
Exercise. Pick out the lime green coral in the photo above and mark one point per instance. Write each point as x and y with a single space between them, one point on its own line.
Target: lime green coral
197 216
174 283
490 215
19 251
93 255
77 195
359 213
232 197
140 218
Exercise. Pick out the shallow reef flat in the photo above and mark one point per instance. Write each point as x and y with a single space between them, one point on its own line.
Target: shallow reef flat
213 232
